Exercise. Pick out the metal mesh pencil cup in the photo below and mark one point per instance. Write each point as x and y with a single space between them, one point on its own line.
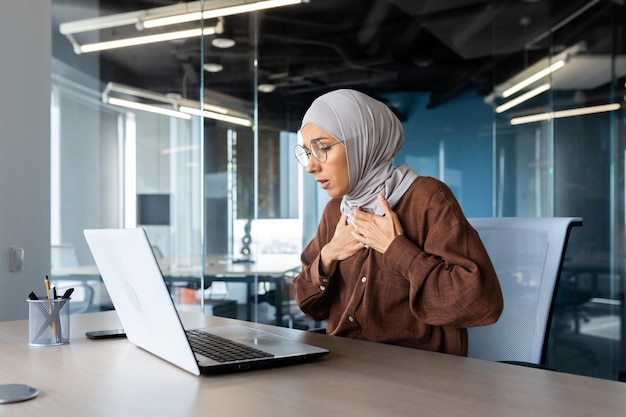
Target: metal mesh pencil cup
48 322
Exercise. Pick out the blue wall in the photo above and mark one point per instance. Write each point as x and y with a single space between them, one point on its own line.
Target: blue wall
462 131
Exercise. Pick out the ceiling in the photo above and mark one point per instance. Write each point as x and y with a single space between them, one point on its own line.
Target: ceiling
377 46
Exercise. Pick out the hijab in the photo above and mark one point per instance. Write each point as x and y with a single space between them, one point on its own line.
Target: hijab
372 135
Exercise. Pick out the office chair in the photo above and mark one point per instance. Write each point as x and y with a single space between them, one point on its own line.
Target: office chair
293 317
82 300
527 254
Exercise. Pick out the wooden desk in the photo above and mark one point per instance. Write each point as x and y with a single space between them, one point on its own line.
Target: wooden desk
360 379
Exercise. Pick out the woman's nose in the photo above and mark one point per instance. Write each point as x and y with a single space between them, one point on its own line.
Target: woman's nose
312 165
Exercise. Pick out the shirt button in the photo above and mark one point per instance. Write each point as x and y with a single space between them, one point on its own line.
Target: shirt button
363 279
325 280
350 318
322 287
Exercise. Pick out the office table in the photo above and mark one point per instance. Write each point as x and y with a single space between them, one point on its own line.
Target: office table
269 268
360 379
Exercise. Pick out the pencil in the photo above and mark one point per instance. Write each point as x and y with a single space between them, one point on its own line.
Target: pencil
47 282
54 322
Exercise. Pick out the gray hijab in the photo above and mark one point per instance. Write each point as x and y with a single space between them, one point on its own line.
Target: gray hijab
372 135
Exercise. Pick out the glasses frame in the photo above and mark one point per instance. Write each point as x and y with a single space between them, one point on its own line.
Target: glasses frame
323 149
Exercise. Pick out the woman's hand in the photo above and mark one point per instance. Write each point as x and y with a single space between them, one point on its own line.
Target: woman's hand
342 246
376 231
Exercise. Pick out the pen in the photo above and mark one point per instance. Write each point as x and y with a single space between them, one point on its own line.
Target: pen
67 293
57 320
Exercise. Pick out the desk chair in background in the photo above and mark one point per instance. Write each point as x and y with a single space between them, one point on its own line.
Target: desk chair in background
64 256
293 317
527 254
288 314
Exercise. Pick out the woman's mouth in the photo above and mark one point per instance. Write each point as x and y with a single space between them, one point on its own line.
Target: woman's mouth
324 184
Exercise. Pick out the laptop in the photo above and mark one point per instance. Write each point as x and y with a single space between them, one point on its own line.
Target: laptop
134 281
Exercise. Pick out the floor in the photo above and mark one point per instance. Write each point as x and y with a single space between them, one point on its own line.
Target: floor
591 350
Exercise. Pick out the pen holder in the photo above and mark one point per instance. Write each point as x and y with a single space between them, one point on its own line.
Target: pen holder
48 322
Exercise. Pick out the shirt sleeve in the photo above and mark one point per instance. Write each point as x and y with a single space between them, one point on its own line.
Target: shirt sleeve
313 291
451 279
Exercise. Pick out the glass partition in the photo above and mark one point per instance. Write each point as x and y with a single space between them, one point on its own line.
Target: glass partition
175 145
213 181
560 152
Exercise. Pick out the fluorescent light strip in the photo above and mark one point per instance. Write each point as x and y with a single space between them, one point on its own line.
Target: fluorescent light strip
146 107
526 96
181 108
101 22
219 12
565 113
143 40
528 81
216 116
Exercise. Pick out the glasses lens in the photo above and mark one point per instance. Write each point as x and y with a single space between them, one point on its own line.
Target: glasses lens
318 150
301 154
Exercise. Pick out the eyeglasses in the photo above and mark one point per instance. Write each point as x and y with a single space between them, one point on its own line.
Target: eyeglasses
317 149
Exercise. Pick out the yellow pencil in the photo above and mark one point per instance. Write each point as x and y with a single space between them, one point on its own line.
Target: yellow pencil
54 323
47 282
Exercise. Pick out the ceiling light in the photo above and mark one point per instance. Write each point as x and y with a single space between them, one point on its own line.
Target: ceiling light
213 67
524 97
266 88
565 113
161 16
143 40
537 71
126 96
223 43
197 10
216 116
146 107
533 78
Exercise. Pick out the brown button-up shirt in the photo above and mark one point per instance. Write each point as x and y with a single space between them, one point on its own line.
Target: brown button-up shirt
432 283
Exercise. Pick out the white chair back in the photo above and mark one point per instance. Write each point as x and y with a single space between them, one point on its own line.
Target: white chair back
527 254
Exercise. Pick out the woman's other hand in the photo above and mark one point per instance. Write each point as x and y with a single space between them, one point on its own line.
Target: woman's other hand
376 231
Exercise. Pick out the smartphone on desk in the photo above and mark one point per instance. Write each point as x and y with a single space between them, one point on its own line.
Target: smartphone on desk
105 334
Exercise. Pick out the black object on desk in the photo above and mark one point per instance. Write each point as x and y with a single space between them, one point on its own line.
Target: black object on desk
105 334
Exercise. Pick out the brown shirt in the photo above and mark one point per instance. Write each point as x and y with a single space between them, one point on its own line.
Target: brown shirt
433 282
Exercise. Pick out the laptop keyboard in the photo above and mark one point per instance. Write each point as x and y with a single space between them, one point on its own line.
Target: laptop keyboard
221 349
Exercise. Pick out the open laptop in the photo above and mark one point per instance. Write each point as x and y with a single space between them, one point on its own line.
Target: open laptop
134 281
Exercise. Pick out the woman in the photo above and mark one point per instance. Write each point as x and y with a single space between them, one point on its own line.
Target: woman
394 259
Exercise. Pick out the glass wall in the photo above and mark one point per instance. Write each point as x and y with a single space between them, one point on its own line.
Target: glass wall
115 166
175 145
560 152
228 210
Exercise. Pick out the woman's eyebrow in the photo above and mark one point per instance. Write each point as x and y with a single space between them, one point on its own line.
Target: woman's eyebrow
321 138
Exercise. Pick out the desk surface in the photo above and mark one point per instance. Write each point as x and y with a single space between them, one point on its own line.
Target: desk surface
113 377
